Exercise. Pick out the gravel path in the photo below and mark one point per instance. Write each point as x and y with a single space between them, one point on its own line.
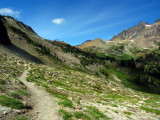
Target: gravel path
44 105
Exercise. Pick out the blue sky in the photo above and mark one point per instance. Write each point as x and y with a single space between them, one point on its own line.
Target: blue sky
75 21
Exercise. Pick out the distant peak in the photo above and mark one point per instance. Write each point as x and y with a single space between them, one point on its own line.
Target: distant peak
158 20
98 39
141 23
87 41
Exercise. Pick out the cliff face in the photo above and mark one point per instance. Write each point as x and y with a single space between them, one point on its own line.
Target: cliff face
4 39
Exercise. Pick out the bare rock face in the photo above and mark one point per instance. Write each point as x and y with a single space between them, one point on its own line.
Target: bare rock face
4 39
143 34
130 33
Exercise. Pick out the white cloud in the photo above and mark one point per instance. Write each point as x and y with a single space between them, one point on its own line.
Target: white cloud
10 12
58 20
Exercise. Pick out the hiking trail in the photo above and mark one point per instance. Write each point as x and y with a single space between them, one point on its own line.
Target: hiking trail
44 105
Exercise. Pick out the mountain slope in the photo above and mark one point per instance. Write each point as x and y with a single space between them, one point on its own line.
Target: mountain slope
115 49
25 40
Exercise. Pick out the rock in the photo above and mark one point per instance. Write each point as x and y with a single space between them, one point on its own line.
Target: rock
5 112
70 98
141 102
113 89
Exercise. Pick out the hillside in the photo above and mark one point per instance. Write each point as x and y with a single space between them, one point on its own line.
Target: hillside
24 41
42 79
115 49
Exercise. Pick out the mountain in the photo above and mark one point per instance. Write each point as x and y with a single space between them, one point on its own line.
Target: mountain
143 35
95 43
127 44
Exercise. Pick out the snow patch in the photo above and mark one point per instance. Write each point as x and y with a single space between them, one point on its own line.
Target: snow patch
148 25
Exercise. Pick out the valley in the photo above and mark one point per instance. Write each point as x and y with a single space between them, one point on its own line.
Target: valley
97 80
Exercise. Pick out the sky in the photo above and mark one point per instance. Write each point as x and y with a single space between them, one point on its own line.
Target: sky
75 21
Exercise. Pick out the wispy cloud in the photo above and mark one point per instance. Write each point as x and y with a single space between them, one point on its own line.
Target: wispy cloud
10 12
58 20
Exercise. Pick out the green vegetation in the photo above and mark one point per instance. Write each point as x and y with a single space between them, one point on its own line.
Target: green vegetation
86 58
66 115
99 54
22 92
41 48
115 111
18 94
127 113
20 118
78 115
66 103
10 102
95 113
157 112
22 34
15 95
2 82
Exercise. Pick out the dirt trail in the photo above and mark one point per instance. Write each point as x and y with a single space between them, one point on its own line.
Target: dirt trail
44 107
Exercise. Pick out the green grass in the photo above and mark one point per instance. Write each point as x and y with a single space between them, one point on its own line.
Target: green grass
2 82
78 115
123 75
153 101
66 103
1 89
18 94
115 111
57 93
66 115
157 112
20 118
10 102
127 113
95 113
22 92
114 105
15 95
